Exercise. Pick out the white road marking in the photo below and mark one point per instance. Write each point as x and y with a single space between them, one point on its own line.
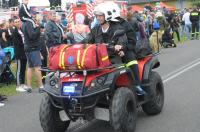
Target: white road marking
181 70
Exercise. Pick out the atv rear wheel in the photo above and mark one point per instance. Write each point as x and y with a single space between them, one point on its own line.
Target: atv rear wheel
155 105
123 112
50 118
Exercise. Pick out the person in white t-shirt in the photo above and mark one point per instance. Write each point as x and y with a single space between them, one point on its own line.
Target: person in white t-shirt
188 24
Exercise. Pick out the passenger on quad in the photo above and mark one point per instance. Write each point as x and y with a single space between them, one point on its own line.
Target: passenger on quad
103 33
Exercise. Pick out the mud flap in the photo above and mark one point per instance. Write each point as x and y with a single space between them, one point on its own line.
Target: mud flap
63 116
101 114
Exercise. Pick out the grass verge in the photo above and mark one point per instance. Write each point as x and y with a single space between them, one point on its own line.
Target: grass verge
10 89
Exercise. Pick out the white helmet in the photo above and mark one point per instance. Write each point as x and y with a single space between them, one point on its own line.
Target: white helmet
114 8
106 9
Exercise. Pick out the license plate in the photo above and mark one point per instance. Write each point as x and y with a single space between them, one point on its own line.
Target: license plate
68 89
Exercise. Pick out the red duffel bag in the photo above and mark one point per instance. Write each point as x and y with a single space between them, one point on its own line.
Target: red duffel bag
78 56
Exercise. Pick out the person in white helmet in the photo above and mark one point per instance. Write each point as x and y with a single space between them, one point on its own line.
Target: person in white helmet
105 30
109 23
131 36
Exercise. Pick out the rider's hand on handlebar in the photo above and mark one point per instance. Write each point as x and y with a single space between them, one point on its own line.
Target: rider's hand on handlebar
118 48
121 53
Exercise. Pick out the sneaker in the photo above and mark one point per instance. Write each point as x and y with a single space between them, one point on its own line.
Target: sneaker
24 86
3 97
139 90
41 89
20 89
1 104
29 90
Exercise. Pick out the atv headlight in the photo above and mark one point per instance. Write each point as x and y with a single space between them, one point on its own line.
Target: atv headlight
96 84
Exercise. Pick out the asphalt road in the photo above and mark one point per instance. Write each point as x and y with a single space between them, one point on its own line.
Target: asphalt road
180 70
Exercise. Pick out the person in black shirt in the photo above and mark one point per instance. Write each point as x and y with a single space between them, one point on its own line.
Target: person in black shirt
20 56
3 40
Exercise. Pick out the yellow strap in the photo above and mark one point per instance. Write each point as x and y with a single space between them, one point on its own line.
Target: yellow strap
63 60
61 56
84 54
131 63
78 59
121 67
104 58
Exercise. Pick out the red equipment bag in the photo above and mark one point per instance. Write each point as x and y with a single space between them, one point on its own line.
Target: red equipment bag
78 56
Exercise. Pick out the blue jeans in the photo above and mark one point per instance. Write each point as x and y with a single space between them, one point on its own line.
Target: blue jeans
182 30
188 28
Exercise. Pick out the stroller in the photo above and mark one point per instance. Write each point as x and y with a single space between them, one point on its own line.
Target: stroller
6 75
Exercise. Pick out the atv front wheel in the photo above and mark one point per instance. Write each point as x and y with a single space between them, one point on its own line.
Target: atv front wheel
50 118
123 112
155 105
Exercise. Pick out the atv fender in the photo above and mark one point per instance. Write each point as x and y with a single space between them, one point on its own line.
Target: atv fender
151 64
119 78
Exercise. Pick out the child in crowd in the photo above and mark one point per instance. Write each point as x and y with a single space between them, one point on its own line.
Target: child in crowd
24 13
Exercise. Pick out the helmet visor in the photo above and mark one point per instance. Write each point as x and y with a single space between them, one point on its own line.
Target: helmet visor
98 13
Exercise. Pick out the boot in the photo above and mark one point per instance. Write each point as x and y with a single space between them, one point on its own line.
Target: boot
139 90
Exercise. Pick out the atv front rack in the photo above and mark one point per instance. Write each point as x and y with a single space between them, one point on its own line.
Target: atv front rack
46 69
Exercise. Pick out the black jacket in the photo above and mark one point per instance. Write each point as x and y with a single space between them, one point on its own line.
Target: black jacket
24 12
130 33
97 36
18 45
194 16
53 34
32 37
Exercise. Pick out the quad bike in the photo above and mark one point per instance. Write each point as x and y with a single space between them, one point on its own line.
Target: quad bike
103 93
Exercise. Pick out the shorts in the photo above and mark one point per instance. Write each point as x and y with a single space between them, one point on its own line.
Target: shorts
33 59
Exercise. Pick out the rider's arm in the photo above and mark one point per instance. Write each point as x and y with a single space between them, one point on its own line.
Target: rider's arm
123 41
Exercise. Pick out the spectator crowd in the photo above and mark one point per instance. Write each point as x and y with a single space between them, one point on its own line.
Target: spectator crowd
32 42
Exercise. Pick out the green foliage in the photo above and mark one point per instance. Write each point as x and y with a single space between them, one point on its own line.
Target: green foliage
195 2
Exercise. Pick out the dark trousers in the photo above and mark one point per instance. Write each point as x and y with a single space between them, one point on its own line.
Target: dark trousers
177 33
21 70
195 29
44 64
44 60
130 56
